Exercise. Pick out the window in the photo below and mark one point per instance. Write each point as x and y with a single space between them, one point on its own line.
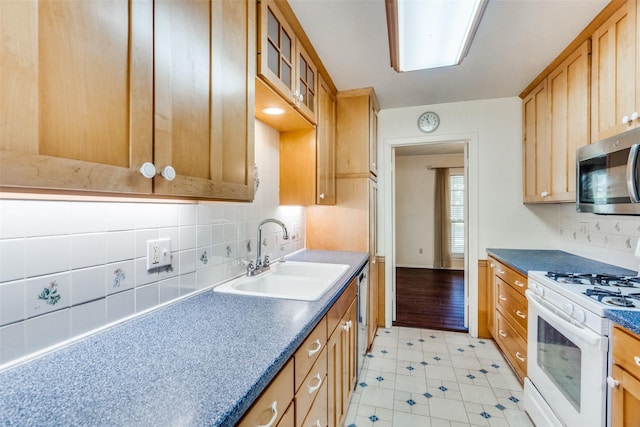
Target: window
456 187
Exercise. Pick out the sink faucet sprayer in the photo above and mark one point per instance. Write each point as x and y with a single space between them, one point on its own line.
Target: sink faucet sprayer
263 265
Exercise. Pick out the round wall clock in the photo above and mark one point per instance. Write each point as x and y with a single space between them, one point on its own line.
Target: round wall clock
428 122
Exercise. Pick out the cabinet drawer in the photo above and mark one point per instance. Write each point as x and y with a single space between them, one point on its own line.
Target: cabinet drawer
311 388
513 345
318 415
510 276
337 311
273 401
288 418
309 351
626 350
512 305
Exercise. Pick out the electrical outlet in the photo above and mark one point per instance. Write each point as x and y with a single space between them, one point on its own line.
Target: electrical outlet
158 253
420 250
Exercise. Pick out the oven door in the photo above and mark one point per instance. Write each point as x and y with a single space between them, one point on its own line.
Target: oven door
567 365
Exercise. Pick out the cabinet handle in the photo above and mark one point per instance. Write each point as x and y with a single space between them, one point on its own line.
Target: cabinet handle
502 298
519 357
521 314
545 194
519 284
373 164
148 170
637 360
322 195
634 116
316 424
502 334
501 271
317 349
347 325
612 382
274 409
315 387
168 173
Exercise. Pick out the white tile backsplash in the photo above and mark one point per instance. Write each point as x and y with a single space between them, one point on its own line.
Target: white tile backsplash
73 266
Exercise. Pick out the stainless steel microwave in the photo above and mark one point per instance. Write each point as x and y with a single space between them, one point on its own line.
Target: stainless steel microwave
608 175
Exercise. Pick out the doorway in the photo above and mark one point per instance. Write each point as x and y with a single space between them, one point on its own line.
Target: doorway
429 291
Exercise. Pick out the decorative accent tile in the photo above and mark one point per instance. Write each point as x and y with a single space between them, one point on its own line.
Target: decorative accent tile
370 355
495 366
47 293
471 377
204 258
423 363
485 415
409 344
410 368
380 379
119 276
50 294
514 399
472 346
362 384
437 358
482 342
384 352
432 336
421 340
443 388
411 402
373 418
428 395
484 371
502 408
461 350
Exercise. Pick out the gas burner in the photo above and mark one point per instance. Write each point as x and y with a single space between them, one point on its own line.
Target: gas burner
610 297
620 302
595 279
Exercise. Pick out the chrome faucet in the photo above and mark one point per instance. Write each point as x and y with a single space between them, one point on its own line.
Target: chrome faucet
262 265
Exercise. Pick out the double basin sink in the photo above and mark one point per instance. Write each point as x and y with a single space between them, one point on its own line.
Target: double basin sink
306 281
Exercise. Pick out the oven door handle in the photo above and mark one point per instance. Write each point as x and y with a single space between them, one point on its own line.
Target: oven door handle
567 322
632 180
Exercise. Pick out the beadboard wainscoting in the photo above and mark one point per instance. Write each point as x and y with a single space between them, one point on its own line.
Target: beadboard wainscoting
68 268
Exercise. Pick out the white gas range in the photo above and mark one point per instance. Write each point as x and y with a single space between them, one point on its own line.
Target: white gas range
568 344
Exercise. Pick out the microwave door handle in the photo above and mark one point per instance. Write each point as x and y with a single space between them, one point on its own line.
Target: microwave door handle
632 180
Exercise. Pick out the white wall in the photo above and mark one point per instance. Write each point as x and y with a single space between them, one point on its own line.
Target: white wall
415 189
92 254
497 217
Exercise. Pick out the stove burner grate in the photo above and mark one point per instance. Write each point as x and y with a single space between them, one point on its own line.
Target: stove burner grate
595 279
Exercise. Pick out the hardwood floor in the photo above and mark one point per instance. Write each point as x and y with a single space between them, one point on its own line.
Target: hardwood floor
430 298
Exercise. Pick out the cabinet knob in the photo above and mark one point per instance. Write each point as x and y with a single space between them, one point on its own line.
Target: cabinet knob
322 195
612 382
544 194
168 173
148 170
634 116
627 119
274 410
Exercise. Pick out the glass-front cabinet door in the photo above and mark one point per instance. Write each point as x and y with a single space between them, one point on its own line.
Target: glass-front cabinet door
306 90
276 50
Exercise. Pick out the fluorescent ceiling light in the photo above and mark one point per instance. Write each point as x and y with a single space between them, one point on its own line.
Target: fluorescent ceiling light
431 33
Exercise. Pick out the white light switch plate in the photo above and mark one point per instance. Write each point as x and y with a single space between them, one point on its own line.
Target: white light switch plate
158 253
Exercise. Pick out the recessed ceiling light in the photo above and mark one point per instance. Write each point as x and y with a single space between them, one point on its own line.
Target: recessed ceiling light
273 111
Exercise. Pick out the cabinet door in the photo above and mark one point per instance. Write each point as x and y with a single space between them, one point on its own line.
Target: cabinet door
336 377
350 351
204 98
373 136
569 121
307 83
326 149
77 91
536 144
276 50
625 398
614 75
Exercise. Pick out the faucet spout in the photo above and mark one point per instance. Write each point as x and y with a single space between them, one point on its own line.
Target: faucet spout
263 265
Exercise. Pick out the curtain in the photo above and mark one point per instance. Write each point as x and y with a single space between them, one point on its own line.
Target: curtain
442 216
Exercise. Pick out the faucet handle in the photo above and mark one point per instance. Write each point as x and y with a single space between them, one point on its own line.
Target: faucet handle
266 260
250 266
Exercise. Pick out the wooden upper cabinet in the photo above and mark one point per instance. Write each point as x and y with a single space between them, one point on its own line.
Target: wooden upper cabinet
283 61
615 81
556 123
326 149
356 146
204 98
87 100
76 95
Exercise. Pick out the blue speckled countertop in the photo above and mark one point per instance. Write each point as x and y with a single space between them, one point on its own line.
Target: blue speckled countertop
200 361
525 260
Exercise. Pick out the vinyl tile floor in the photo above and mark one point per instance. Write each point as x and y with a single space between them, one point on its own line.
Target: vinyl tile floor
428 378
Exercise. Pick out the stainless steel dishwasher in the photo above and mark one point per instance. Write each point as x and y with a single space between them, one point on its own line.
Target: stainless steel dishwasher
363 302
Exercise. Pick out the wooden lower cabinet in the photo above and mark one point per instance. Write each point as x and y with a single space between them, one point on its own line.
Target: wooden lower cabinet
341 366
272 404
315 386
625 379
509 314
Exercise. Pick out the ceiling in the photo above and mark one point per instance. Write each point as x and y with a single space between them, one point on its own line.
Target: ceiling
515 41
